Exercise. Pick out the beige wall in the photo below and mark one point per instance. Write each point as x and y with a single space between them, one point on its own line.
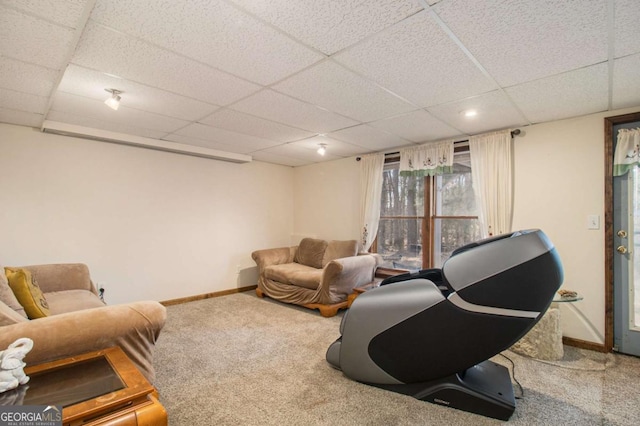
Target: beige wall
154 225
559 175
327 200
150 224
559 169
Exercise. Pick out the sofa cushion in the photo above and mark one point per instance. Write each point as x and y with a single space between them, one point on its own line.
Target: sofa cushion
310 252
339 249
295 274
7 296
27 292
9 317
61 302
60 277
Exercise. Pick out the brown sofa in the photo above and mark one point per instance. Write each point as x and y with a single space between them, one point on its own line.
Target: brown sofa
317 274
79 321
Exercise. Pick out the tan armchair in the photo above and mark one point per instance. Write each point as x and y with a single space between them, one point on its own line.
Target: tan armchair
79 321
317 274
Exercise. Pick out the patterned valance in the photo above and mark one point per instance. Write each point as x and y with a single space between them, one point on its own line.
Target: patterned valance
627 155
427 160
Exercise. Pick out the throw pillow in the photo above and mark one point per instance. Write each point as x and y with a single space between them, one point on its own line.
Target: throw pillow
7 296
27 292
310 252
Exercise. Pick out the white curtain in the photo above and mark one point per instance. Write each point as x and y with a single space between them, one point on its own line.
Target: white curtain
627 153
429 159
492 175
371 168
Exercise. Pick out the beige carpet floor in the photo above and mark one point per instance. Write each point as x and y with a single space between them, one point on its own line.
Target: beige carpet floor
240 360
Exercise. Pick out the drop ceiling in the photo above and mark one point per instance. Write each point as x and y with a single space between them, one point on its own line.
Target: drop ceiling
274 79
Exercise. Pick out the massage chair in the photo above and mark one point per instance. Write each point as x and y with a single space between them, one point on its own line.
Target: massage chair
429 334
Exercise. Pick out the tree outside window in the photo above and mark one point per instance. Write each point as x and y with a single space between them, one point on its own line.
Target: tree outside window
424 219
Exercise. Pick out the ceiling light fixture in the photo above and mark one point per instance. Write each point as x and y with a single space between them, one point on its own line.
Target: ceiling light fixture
323 149
469 113
114 101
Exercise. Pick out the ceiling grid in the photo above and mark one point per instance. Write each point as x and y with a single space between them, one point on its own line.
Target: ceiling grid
273 80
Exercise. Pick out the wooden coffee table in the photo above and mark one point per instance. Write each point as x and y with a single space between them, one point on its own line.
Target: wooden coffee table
97 388
359 290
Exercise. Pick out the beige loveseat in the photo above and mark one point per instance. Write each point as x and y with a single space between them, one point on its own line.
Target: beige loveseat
317 274
79 321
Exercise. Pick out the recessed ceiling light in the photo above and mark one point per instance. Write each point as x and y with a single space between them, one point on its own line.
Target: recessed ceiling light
469 113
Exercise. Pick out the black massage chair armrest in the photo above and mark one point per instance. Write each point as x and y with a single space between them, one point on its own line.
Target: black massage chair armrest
433 275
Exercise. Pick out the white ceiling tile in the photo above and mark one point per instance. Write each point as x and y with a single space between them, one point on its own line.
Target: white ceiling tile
332 87
268 157
211 31
126 57
87 107
23 101
33 40
255 126
97 123
309 155
417 60
574 93
370 138
626 78
417 126
20 118
213 134
92 84
330 29
527 39
27 78
626 28
284 109
188 140
63 12
396 76
333 146
494 112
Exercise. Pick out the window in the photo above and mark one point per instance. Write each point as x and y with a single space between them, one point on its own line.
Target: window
423 219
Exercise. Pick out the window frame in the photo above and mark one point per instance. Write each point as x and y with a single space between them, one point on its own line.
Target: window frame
428 217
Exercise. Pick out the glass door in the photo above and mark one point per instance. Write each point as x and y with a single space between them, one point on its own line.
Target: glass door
626 260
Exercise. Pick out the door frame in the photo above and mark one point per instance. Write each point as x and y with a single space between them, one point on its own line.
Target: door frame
609 122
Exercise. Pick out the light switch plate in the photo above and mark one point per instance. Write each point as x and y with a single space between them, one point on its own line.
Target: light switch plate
593 221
